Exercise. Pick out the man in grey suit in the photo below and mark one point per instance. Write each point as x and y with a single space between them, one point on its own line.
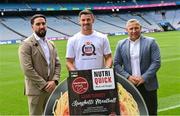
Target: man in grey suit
137 58
40 64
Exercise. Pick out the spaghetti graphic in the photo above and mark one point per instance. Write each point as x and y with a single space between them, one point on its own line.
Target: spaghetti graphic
127 103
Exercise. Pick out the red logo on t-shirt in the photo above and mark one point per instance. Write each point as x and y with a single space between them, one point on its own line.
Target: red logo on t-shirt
80 85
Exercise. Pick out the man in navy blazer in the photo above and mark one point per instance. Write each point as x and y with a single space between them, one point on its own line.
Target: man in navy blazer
137 58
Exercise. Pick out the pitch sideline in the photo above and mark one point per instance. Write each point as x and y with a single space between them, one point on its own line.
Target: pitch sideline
169 108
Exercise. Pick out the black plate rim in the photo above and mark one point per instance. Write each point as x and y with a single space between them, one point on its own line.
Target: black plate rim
122 80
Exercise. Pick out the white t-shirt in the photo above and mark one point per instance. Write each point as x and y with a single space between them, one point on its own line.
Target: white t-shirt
88 50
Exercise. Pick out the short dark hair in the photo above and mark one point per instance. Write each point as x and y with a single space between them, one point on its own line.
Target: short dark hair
86 11
36 16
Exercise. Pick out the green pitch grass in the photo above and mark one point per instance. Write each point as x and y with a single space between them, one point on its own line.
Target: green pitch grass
13 102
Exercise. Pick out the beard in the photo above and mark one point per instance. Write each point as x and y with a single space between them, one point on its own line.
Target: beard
41 33
87 27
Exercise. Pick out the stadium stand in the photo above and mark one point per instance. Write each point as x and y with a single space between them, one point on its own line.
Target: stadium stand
7 34
110 17
19 25
63 24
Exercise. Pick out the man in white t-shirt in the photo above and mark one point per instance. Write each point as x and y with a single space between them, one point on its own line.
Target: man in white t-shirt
88 49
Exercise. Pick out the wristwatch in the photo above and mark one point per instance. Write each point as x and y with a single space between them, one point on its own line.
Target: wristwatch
56 82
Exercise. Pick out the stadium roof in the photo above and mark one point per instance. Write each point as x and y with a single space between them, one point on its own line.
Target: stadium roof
61 1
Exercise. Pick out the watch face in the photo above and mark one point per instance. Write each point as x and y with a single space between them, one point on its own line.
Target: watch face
59 98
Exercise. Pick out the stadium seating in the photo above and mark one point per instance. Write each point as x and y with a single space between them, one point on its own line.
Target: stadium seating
6 34
18 27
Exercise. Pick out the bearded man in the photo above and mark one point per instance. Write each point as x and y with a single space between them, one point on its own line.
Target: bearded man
40 64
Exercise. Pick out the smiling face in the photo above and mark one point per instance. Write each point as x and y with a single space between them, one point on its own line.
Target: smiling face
134 29
86 20
39 26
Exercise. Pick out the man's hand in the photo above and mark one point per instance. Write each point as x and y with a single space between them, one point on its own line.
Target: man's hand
133 80
50 86
140 80
136 80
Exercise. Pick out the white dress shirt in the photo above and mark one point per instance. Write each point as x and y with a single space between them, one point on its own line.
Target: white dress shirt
135 57
45 48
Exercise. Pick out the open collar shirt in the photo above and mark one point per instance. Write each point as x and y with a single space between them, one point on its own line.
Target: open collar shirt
135 57
45 48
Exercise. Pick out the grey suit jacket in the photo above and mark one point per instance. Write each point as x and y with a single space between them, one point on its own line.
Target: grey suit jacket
35 67
149 60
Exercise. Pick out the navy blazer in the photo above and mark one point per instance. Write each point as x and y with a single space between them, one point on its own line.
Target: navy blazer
149 60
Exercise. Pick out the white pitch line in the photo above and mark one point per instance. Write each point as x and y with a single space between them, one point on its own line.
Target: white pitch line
169 108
